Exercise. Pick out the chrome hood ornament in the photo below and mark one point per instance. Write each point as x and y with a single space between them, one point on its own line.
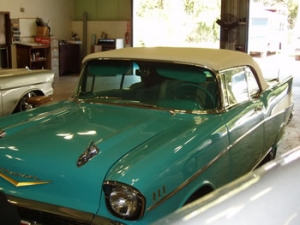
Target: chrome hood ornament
90 152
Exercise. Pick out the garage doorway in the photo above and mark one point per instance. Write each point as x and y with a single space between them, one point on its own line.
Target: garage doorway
188 23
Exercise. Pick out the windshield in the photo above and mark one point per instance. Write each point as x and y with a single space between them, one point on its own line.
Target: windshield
148 84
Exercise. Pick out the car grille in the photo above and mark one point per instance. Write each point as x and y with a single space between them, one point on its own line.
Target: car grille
44 218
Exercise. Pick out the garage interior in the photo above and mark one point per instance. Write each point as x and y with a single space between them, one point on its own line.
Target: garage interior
78 27
72 29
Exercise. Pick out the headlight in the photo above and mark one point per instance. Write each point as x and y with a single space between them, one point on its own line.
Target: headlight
123 201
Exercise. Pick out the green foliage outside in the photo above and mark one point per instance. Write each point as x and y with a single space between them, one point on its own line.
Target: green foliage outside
176 22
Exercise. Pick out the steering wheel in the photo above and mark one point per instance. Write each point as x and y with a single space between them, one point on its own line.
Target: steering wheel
189 94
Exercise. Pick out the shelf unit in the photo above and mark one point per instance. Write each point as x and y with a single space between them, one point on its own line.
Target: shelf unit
34 56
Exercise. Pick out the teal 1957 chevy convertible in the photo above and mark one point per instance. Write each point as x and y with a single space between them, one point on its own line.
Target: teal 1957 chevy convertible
146 131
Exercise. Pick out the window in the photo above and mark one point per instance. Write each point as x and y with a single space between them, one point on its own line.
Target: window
156 84
254 89
239 85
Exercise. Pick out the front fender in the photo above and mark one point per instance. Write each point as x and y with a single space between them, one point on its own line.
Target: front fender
168 173
12 97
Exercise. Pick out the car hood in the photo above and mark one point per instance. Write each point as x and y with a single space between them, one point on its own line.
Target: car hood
42 147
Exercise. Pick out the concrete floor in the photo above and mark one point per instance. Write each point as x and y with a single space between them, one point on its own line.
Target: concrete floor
279 65
64 86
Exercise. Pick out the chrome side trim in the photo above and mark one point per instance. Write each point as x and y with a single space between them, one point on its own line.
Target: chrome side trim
65 212
2 133
22 86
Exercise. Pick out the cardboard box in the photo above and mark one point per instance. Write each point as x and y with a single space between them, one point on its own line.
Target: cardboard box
96 48
42 31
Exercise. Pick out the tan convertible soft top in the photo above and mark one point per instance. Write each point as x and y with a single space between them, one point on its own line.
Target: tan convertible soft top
215 59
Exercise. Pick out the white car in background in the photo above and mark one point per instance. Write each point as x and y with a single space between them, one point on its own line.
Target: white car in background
268 195
17 86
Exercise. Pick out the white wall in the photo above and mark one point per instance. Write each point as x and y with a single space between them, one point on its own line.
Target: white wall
59 13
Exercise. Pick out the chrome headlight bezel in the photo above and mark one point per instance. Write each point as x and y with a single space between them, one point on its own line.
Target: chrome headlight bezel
119 194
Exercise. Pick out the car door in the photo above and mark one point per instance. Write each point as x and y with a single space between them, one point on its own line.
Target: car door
243 118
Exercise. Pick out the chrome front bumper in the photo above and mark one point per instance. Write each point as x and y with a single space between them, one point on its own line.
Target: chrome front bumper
39 213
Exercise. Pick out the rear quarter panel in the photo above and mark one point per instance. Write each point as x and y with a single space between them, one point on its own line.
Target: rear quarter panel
278 101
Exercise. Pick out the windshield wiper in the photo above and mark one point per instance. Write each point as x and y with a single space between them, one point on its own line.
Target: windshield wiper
140 104
109 97
120 101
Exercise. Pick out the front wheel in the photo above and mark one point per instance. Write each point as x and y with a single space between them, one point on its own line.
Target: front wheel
23 105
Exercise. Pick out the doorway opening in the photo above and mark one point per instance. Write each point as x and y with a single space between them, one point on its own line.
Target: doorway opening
187 23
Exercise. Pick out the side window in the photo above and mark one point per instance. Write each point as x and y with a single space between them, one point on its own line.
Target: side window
254 89
235 86
239 87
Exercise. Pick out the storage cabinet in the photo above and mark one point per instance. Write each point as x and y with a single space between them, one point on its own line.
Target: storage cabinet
33 55
69 59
